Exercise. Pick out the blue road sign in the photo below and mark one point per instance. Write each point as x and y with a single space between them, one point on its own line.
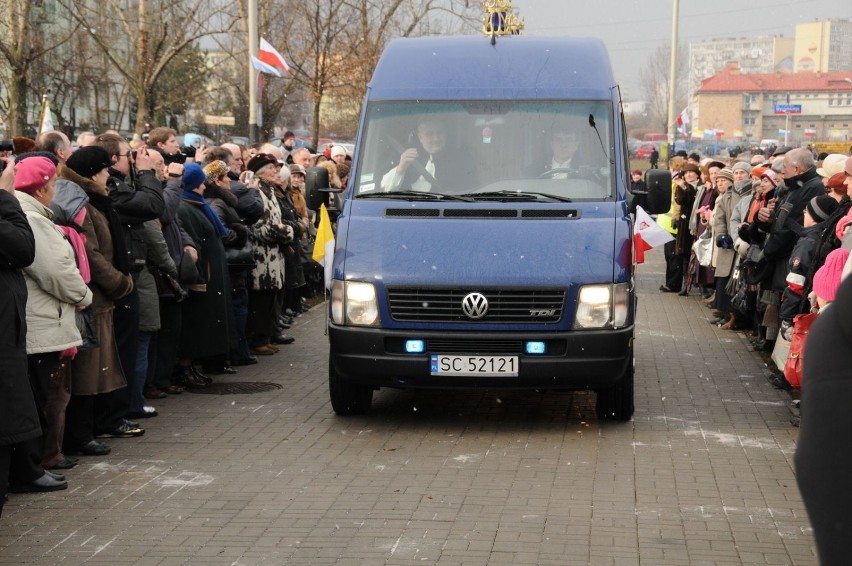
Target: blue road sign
788 109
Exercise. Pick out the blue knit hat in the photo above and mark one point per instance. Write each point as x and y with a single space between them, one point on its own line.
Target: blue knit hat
193 176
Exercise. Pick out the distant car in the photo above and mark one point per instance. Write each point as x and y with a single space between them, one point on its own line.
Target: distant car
645 151
241 140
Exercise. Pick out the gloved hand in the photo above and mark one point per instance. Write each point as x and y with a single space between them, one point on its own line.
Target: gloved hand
744 232
786 330
188 151
724 241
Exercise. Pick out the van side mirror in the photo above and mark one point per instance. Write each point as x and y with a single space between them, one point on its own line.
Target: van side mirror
316 178
659 184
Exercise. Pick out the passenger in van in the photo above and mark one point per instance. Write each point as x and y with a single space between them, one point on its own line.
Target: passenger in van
426 165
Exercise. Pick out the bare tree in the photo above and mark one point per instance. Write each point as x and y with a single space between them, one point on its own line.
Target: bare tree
654 81
339 43
146 40
25 39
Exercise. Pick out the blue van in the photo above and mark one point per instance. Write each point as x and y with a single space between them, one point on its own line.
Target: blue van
484 239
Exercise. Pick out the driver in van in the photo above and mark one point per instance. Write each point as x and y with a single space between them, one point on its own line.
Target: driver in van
421 167
565 152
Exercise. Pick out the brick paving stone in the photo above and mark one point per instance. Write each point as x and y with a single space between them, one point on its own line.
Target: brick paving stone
701 475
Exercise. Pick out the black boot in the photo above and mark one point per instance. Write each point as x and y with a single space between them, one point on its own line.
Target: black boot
185 376
206 380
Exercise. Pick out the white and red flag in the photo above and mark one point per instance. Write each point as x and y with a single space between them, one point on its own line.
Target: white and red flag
269 61
647 234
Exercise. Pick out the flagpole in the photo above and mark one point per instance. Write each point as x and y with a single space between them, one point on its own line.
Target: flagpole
252 42
670 121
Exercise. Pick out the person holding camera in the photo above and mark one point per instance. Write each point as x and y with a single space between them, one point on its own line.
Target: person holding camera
137 197
181 247
164 141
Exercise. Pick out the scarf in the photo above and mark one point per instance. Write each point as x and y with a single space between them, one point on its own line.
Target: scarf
198 200
78 242
120 259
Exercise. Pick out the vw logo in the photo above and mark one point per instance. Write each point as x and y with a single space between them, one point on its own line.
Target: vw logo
475 305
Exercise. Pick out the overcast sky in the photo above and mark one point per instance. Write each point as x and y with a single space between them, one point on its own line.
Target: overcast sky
633 29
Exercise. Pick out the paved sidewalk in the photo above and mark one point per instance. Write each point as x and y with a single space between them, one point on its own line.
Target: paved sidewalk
702 475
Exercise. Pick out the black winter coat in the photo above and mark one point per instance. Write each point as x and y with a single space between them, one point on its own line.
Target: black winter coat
135 206
18 416
824 454
786 220
207 324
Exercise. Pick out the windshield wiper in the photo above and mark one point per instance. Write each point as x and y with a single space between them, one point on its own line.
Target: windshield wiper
514 195
414 195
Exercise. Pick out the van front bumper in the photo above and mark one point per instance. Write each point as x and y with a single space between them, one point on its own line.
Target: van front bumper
575 360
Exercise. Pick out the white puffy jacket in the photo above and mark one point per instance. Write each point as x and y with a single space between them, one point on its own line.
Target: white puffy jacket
54 284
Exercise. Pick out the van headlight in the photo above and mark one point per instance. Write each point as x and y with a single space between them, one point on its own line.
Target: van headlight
354 303
602 306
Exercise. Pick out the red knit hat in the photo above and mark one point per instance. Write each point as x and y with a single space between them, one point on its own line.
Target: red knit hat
33 173
827 277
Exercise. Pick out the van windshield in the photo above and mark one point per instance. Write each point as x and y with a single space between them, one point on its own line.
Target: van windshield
488 148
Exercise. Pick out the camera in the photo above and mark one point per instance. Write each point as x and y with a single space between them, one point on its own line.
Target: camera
167 158
174 158
7 145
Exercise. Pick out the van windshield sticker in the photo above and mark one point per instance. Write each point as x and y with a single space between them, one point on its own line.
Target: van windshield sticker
366 177
368 187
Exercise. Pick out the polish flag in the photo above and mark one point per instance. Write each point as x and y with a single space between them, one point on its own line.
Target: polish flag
647 234
269 61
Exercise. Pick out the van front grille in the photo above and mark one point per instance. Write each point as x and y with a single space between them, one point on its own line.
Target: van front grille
505 306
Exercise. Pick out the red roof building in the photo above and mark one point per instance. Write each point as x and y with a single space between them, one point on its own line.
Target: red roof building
811 106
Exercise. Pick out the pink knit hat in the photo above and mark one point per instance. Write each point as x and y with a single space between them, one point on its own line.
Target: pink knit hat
840 227
827 277
33 173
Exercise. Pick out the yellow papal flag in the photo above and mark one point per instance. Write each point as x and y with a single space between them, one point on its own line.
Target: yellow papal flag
323 252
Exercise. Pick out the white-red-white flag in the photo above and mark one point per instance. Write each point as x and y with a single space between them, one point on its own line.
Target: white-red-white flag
683 118
269 58
647 234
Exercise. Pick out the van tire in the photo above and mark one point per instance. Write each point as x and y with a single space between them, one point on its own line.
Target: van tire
616 403
347 398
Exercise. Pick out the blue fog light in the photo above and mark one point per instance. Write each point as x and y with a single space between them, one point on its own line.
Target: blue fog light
535 347
415 346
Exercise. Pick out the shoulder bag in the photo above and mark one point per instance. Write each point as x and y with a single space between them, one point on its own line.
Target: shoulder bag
795 359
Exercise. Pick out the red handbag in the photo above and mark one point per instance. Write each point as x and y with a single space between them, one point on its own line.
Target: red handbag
795 359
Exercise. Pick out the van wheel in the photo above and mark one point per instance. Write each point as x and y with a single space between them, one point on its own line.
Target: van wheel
616 403
347 398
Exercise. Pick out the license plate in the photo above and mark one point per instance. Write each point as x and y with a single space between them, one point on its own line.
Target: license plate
506 366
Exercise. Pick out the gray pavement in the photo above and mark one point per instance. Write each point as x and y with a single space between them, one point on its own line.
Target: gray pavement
702 475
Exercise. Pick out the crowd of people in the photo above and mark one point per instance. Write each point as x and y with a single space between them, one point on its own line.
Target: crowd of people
130 272
762 240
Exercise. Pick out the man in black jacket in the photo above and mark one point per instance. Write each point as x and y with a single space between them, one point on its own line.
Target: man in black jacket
137 196
784 216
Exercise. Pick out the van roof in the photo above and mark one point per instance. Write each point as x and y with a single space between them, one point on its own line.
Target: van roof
516 67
